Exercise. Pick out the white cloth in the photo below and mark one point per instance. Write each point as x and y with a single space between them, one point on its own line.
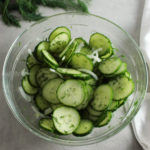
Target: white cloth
141 123
145 32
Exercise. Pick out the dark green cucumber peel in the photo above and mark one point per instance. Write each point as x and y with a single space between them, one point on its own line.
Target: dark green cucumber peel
31 60
47 124
41 103
49 59
84 128
44 45
28 88
104 119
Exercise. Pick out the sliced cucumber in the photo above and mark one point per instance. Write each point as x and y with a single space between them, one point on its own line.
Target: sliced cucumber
93 112
82 46
81 41
59 30
32 75
28 88
110 65
91 82
84 128
68 52
31 60
122 69
44 75
81 61
93 118
66 119
58 44
41 103
104 119
102 97
107 55
86 97
73 73
44 45
86 51
49 59
71 93
102 43
55 106
90 93
127 74
49 90
122 87
47 124
113 106
121 102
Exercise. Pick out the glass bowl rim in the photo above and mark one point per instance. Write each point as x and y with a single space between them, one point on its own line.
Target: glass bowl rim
61 141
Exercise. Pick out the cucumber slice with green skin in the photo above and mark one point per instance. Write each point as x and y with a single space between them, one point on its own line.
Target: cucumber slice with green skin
121 102
55 106
104 119
44 75
71 93
127 74
90 93
107 55
122 69
47 124
101 42
28 88
93 112
91 82
58 44
66 119
102 97
32 75
49 90
113 106
93 118
41 103
72 72
80 41
82 46
49 59
81 61
59 30
122 87
68 51
31 60
44 45
85 50
110 66
86 97
84 128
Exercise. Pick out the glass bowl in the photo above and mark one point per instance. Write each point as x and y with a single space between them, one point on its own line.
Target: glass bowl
82 25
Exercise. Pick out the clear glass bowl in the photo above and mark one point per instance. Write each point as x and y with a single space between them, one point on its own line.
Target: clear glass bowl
82 25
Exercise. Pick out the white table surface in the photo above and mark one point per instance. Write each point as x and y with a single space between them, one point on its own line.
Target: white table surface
126 13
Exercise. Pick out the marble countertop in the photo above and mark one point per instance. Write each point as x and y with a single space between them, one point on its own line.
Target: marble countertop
13 136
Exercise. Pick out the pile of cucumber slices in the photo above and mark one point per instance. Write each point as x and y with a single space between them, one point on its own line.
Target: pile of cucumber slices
75 84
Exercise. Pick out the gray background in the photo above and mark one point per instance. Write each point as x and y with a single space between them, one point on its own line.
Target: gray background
126 13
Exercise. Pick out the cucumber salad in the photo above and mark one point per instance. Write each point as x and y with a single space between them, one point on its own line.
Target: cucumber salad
76 85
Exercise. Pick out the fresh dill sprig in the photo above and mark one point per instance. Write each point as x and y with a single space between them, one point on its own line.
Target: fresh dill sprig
29 8
65 4
6 16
